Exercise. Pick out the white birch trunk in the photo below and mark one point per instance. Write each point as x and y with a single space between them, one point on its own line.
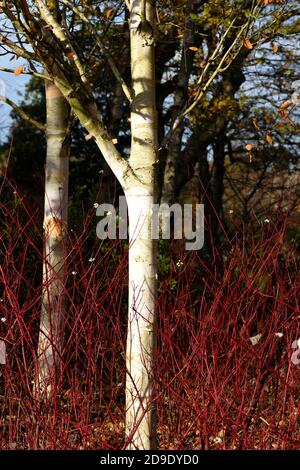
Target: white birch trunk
141 194
55 220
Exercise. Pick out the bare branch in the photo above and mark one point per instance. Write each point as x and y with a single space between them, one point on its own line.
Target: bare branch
23 115
219 69
16 49
60 34
128 93
27 72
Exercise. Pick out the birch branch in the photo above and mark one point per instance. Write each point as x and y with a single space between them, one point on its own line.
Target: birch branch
220 69
128 93
80 98
59 33
16 49
23 115
200 91
27 72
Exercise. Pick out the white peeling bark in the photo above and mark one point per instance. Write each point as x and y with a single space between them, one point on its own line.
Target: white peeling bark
141 334
141 194
55 220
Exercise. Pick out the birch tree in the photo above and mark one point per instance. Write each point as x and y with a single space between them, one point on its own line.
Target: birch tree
56 131
141 194
55 223
55 52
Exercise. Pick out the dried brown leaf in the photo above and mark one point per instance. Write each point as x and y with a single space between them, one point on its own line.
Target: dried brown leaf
285 105
268 139
19 70
255 125
247 43
108 13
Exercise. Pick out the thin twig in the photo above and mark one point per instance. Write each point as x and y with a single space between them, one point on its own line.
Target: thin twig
128 93
60 34
23 115
27 72
16 49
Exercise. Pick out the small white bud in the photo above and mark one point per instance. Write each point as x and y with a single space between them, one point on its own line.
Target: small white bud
279 334
255 339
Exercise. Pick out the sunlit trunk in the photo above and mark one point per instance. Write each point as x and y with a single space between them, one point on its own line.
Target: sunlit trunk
141 194
55 221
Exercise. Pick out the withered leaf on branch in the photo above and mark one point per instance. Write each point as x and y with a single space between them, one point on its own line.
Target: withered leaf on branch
268 139
247 43
108 13
285 105
19 70
255 125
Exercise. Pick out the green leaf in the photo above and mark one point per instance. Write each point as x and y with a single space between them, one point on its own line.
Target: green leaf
194 16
